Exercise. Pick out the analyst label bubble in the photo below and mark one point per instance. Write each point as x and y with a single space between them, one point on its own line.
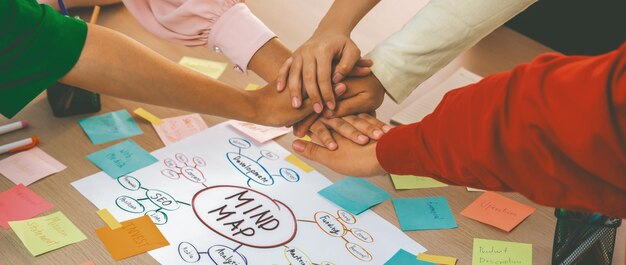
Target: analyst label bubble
250 168
162 199
129 204
188 252
245 216
224 255
129 183
329 224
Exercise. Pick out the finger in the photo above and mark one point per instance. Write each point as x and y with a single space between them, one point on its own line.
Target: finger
324 65
364 63
373 128
346 129
301 128
352 105
294 83
309 77
311 151
371 118
360 71
320 130
350 55
281 79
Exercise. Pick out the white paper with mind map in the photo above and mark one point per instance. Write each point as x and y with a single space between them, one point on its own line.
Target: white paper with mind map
220 198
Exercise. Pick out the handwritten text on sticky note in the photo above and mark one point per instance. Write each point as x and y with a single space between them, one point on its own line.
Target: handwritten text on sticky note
121 159
136 236
177 128
19 203
494 209
494 252
46 233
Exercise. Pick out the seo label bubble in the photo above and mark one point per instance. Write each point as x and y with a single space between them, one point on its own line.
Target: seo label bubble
245 216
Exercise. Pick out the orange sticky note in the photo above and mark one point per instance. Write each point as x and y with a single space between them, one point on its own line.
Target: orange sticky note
136 236
299 163
494 209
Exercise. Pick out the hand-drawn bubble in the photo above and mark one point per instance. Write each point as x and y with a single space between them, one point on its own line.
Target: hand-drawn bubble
182 158
329 224
362 235
129 204
199 161
188 252
326 263
170 173
239 142
129 182
224 255
297 257
245 216
250 168
162 199
269 155
158 217
193 174
358 252
169 162
347 217
289 175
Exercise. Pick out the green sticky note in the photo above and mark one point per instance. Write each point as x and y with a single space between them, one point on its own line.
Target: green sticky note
355 195
403 257
47 233
492 252
424 213
109 127
121 159
414 182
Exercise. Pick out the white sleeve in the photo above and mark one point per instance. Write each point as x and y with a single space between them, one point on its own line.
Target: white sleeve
435 36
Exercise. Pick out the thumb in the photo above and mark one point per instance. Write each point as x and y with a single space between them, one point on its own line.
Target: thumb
310 150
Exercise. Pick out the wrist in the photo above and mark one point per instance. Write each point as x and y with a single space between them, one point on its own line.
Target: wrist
377 168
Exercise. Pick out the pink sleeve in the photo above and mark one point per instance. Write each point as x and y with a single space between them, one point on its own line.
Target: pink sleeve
225 26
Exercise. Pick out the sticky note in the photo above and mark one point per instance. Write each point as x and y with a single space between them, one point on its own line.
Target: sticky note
414 182
296 161
29 166
403 257
440 260
257 132
474 190
136 236
121 159
489 252
46 233
424 213
19 203
306 138
108 218
494 209
355 195
148 116
177 128
110 127
252 87
209 68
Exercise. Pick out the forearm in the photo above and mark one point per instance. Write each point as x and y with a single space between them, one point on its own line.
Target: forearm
78 3
344 15
267 60
551 130
114 64
433 37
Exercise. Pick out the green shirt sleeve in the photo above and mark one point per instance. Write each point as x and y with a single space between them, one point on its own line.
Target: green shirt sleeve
38 46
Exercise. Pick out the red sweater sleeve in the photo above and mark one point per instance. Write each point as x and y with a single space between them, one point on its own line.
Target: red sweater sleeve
553 130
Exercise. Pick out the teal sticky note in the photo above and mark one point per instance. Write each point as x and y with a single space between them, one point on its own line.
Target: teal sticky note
121 159
403 257
424 213
355 195
109 127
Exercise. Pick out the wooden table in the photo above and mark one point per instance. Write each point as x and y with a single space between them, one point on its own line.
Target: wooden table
293 21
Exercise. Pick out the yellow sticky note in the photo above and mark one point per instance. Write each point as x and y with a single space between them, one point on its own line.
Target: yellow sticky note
251 87
299 163
148 116
106 216
501 252
414 182
209 68
440 260
473 189
306 138
47 233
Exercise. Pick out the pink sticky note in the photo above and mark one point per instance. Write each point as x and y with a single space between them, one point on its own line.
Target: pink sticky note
257 132
19 203
177 128
29 166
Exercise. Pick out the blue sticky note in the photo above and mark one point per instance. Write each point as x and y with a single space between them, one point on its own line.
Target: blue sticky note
424 213
355 195
109 127
121 159
403 257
